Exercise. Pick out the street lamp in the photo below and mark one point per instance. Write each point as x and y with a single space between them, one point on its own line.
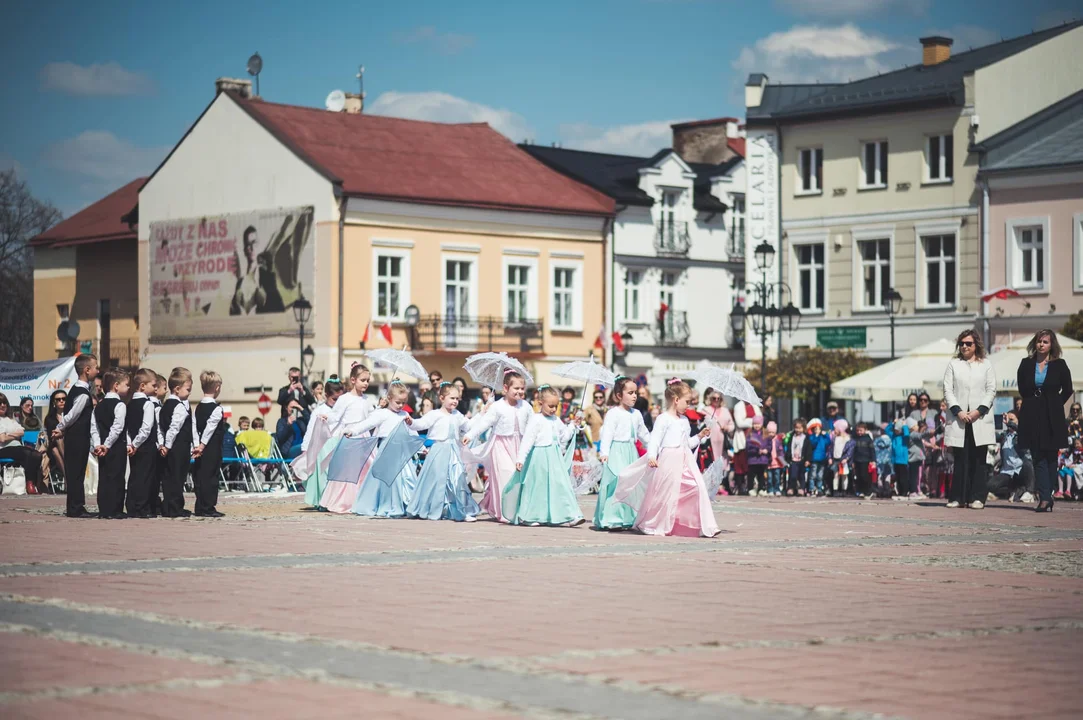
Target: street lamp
302 311
765 315
307 357
892 305
412 315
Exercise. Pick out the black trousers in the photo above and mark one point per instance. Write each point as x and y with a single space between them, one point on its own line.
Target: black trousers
76 457
158 471
176 471
903 484
756 475
1004 485
862 478
28 459
1045 473
142 471
111 480
205 477
971 481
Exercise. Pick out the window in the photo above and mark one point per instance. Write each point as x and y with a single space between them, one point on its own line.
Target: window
810 276
810 170
667 293
939 158
389 276
633 280
874 165
457 303
518 293
875 258
567 310
939 270
1077 237
63 313
1029 260
737 229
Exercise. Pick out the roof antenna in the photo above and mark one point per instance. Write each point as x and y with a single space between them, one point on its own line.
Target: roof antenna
361 79
255 65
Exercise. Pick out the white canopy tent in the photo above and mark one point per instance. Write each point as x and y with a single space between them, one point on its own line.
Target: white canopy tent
1006 366
895 380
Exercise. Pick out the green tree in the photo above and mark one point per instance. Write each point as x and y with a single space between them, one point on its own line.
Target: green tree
22 216
804 372
1073 328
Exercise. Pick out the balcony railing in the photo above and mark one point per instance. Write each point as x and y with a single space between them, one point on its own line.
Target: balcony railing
673 329
736 249
437 333
123 352
672 238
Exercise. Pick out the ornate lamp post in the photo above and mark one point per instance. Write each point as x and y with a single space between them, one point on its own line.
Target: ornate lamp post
302 311
892 305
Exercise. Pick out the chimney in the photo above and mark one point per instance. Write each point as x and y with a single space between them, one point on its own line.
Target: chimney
237 85
935 49
355 103
754 89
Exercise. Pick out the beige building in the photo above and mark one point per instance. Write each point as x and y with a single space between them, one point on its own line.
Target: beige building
871 186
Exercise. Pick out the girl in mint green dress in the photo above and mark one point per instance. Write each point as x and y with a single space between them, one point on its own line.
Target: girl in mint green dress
623 425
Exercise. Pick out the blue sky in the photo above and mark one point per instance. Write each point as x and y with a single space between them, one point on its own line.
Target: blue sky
95 94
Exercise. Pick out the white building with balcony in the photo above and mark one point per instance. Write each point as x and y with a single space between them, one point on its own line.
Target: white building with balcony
674 264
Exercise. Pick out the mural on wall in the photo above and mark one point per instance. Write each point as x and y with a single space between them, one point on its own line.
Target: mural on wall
226 276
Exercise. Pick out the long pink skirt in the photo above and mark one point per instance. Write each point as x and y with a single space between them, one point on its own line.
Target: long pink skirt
339 497
675 500
501 468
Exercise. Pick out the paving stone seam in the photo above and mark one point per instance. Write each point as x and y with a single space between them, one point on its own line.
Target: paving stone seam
394 558
689 703
173 685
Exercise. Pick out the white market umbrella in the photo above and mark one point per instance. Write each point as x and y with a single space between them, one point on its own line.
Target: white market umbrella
727 381
399 361
488 368
1006 365
893 381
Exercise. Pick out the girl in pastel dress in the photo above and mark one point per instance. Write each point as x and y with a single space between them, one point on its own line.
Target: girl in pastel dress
665 486
541 492
622 426
442 491
388 496
720 422
350 411
508 418
316 436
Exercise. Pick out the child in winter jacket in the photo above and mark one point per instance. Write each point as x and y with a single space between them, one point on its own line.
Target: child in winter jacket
777 464
796 454
817 449
842 453
900 457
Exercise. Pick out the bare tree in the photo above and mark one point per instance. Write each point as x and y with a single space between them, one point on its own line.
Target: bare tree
22 216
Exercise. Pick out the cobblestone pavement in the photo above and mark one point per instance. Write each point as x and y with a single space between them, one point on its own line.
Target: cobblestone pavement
801 608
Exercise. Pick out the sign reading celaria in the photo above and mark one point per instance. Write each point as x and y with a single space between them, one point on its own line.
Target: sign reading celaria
229 276
762 195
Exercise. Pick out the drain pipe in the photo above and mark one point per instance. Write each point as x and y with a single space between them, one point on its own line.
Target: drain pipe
985 259
341 274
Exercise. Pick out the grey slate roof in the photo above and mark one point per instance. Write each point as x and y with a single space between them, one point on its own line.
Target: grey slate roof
913 86
1050 138
618 175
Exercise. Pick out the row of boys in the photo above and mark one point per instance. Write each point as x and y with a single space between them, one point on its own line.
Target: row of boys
147 438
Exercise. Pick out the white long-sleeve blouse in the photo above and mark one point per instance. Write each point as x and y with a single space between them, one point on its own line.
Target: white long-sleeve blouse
622 425
502 417
441 425
671 432
542 431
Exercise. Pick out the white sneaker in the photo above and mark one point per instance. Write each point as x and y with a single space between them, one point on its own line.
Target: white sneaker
470 518
977 505
1027 498
953 504
990 497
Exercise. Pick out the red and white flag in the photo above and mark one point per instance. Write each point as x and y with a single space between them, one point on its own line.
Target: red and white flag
599 342
365 337
385 330
1000 293
618 342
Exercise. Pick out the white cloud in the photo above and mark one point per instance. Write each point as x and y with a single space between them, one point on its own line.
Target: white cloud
853 8
96 79
446 43
101 156
644 139
815 53
441 107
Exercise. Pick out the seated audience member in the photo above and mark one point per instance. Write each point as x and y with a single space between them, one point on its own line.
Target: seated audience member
256 439
12 447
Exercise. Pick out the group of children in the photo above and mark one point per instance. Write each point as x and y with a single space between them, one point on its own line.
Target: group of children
145 437
358 459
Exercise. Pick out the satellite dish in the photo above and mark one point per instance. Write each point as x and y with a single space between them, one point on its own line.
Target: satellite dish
62 331
336 101
255 64
73 330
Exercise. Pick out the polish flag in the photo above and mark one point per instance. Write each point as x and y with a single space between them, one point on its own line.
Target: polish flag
365 337
1000 293
618 342
385 330
599 342
662 312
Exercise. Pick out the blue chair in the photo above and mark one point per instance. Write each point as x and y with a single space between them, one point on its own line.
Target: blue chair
30 437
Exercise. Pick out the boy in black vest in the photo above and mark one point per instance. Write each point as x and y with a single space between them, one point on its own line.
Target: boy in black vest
110 445
74 428
210 431
142 435
175 421
161 392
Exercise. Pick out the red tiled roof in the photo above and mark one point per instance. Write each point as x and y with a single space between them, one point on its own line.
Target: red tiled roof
737 145
99 222
428 162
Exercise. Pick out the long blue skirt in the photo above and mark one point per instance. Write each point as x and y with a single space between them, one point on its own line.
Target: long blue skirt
378 497
442 492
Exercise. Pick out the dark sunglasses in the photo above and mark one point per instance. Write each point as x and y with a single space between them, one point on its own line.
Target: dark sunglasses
967 343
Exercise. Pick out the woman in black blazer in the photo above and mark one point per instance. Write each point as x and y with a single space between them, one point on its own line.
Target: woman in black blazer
1045 383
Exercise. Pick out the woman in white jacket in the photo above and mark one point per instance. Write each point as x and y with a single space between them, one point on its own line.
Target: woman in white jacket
969 388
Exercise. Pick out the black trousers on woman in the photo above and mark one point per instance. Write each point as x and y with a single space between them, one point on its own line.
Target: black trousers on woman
28 459
971 481
1045 473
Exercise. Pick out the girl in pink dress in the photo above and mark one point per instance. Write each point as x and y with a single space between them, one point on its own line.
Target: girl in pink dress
720 423
508 418
665 486
351 409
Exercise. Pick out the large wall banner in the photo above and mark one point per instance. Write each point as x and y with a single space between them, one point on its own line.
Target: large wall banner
37 380
229 276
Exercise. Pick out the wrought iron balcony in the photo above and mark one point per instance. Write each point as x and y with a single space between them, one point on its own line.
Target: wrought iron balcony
123 352
672 238
736 249
438 333
673 329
